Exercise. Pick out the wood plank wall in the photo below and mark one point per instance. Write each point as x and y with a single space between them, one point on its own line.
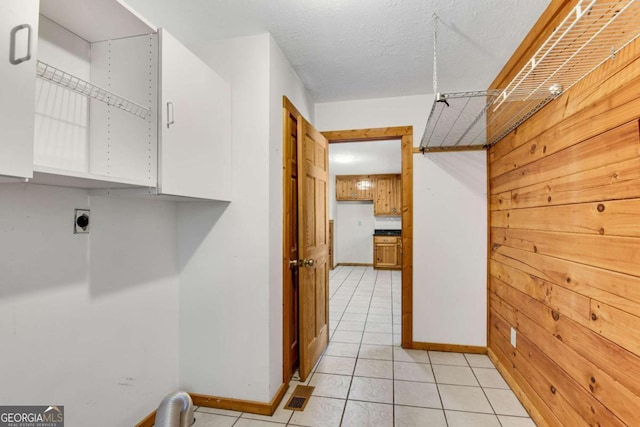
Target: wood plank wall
564 267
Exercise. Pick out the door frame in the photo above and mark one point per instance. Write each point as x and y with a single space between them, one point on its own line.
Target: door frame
405 134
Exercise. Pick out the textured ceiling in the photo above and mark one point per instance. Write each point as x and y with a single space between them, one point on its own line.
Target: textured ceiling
359 49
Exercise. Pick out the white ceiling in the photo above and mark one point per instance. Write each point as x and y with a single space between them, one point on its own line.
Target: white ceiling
360 49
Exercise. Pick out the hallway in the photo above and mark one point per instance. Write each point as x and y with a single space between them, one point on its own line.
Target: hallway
366 379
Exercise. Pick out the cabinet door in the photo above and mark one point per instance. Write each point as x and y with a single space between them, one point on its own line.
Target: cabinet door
388 195
19 33
382 204
195 126
386 255
396 199
363 187
344 188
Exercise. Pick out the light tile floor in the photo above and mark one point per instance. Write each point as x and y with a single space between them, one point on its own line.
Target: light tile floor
365 378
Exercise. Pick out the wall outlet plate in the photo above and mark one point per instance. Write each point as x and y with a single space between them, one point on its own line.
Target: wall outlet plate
81 221
514 336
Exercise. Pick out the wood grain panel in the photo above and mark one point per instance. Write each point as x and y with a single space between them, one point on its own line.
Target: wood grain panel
373 134
620 254
621 365
613 218
611 182
616 325
564 301
507 365
620 400
552 396
619 290
611 393
619 144
571 401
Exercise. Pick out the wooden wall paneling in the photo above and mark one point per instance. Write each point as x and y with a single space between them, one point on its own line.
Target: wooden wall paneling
614 288
564 206
576 359
573 400
619 144
615 181
612 218
503 355
551 393
573 305
616 253
622 365
617 325
617 398
499 201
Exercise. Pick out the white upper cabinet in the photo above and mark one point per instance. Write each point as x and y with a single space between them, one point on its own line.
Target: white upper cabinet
19 34
105 78
195 140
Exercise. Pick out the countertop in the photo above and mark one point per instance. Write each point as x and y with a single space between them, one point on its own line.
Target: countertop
378 232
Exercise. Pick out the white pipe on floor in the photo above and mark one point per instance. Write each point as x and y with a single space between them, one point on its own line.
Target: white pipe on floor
175 410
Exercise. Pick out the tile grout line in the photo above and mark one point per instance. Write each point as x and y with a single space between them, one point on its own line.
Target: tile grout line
353 372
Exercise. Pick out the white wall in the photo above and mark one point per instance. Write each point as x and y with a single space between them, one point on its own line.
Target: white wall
231 255
387 223
450 249
354 232
434 183
87 321
224 249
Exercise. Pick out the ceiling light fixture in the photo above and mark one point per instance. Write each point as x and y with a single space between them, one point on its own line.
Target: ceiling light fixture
343 158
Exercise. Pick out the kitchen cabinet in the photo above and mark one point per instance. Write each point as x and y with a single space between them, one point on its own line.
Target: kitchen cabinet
119 104
387 252
388 195
355 187
18 29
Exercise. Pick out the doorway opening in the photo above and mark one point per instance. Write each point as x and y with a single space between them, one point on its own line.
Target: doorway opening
292 303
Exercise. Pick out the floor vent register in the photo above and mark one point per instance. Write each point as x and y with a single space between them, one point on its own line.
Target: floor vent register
299 398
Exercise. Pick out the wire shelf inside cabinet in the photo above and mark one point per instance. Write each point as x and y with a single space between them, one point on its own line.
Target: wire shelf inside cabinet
592 33
68 81
457 119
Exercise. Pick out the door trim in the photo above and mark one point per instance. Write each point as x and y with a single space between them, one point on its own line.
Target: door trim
287 110
405 134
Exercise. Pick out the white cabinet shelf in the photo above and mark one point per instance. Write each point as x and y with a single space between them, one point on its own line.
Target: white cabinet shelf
108 80
70 178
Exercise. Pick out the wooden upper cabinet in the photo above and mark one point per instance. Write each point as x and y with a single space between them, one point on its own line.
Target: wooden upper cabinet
388 199
355 187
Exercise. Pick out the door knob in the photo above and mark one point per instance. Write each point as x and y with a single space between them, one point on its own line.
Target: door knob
293 263
308 262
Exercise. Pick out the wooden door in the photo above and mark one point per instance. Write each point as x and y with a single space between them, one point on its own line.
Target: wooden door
290 268
313 247
18 43
195 137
